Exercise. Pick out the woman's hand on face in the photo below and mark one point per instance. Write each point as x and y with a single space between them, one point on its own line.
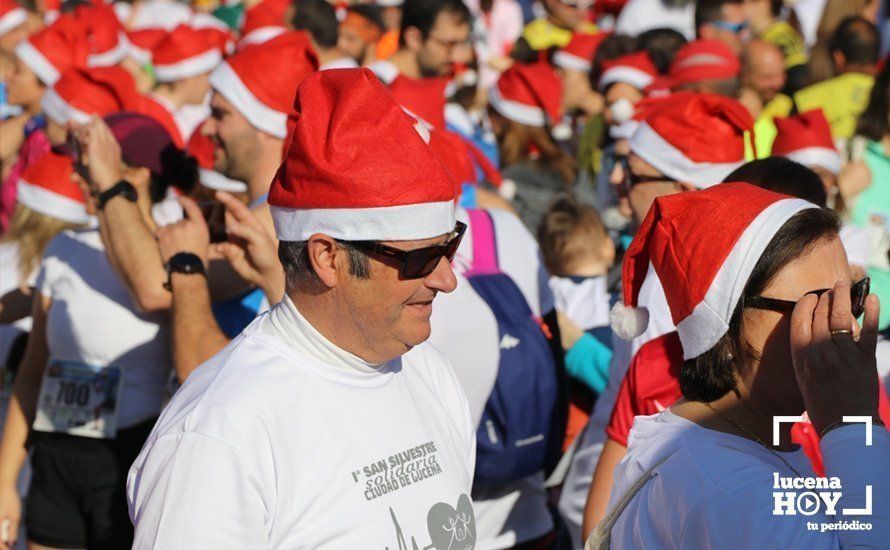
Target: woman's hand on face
101 154
837 373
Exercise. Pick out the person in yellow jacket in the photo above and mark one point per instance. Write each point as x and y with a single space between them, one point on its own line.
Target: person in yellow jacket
763 78
564 17
854 48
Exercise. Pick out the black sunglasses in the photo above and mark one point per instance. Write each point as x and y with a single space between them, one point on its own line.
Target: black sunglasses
631 179
858 293
417 263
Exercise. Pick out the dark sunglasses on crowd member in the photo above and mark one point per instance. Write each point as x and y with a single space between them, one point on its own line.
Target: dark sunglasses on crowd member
417 263
631 179
858 293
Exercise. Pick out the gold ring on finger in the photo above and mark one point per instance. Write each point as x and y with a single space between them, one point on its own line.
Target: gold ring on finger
837 331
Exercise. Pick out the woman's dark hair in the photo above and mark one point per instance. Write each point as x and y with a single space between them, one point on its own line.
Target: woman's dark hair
784 176
873 122
713 374
662 46
180 171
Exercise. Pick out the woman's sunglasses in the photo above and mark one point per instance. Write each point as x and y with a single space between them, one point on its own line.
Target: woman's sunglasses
417 263
858 293
631 179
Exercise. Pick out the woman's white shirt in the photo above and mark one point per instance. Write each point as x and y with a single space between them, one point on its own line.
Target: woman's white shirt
92 319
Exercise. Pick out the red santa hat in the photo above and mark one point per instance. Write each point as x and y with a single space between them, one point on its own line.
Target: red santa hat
107 38
806 138
703 60
142 41
46 187
55 49
80 94
262 23
11 16
225 40
578 53
530 94
260 86
694 138
703 246
383 182
635 69
202 148
186 52
422 97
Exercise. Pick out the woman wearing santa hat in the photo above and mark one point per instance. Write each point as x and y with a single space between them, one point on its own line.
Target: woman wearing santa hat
766 316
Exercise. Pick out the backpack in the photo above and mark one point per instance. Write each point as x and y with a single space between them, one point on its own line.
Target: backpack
519 433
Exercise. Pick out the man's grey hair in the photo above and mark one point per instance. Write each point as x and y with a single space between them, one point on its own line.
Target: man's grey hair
298 272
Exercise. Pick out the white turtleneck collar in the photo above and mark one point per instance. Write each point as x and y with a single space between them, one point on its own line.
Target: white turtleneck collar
287 323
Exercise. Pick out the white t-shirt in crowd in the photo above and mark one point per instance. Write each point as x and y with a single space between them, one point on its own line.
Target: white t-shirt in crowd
589 445
283 440
464 328
92 320
639 16
10 280
715 490
585 302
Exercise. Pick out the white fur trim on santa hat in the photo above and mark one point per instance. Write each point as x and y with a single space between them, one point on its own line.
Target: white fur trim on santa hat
218 182
388 223
260 35
187 68
40 65
823 157
671 162
628 322
12 19
113 56
389 3
225 80
628 75
507 189
46 202
572 62
518 112
60 111
709 321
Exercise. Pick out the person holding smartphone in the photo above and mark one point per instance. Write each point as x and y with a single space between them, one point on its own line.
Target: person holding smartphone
95 369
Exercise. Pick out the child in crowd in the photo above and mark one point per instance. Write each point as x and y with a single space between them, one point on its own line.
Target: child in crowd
578 253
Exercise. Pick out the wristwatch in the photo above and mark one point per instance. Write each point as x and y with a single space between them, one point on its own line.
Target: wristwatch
186 263
122 188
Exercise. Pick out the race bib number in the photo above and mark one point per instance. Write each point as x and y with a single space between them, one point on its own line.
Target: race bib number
79 399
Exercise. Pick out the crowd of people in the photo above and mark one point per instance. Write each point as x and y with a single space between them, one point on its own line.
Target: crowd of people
451 274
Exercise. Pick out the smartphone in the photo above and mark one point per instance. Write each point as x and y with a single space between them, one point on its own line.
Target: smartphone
76 153
214 213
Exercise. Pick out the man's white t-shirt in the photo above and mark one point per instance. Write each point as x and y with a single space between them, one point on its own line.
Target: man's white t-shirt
576 487
92 320
465 329
282 440
715 490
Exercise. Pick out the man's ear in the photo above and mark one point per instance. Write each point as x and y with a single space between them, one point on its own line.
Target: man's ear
839 59
327 258
413 39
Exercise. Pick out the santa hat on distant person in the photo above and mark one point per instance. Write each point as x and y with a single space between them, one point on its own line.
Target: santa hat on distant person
55 49
367 190
142 41
578 53
186 52
107 39
694 138
11 16
202 147
635 69
806 138
46 187
703 246
531 94
81 93
703 60
225 40
262 23
261 86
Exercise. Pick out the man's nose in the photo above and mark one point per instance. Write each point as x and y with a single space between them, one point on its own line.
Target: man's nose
442 278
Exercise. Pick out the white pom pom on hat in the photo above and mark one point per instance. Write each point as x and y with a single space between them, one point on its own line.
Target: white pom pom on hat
507 189
628 322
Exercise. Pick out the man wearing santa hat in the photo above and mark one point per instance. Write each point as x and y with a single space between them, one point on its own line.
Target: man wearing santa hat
328 422
684 142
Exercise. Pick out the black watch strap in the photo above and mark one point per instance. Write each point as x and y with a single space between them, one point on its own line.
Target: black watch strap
123 188
186 263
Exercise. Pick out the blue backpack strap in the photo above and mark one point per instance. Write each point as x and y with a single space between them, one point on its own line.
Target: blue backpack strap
485 251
